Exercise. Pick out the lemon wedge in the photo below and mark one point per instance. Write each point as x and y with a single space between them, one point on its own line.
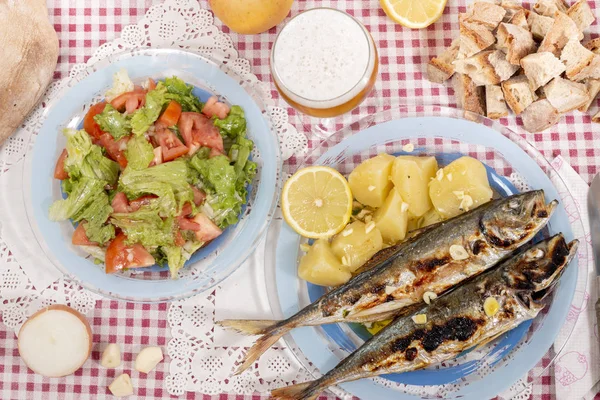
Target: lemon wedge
317 202
414 13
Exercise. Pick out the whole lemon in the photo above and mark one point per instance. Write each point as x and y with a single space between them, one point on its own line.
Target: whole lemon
251 16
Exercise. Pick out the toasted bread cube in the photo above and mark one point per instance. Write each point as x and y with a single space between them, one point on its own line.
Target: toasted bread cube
440 68
593 88
486 14
469 96
565 95
539 116
593 45
520 19
541 68
518 93
581 13
511 7
550 7
539 25
486 68
494 102
516 41
562 30
473 39
581 63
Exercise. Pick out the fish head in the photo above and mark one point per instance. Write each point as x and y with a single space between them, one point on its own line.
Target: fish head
516 219
533 274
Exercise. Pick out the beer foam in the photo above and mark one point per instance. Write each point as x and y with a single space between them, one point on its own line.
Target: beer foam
323 58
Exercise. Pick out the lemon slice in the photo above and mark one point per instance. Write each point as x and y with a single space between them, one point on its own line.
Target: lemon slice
414 13
317 202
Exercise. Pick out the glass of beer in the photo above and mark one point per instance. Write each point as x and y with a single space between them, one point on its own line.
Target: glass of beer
324 62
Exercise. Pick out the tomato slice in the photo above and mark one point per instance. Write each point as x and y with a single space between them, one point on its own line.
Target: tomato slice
170 144
186 210
59 169
120 204
157 160
80 237
89 124
197 131
186 224
115 149
179 240
208 230
136 204
120 256
214 107
171 114
129 101
151 84
199 196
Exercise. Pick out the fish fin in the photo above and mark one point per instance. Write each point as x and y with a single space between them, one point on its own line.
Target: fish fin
294 392
248 326
260 346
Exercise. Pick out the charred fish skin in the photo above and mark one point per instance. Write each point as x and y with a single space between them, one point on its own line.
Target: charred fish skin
428 263
434 261
455 321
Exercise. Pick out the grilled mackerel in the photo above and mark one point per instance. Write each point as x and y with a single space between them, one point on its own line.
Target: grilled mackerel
473 314
434 261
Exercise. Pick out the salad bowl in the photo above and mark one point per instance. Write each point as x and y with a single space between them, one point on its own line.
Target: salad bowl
513 165
209 265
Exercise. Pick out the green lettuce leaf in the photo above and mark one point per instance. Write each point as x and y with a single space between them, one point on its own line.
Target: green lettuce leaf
234 125
144 117
179 91
83 194
146 226
175 259
85 159
113 122
139 153
169 181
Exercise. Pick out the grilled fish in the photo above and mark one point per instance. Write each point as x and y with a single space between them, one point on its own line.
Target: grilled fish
437 259
463 318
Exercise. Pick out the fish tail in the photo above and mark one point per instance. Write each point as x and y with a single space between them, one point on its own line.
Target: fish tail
305 391
248 326
269 337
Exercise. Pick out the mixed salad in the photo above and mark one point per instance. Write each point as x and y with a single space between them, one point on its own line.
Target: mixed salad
154 175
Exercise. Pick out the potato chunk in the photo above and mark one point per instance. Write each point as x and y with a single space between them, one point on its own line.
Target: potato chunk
392 218
462 186
411 175
321 267
370 182
356 244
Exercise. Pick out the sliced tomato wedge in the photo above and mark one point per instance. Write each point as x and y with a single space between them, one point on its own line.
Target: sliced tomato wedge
120 203
157 160
186 210
80 237
136 204
120 256
115 149
171 114
129 101
208 230
186 224
214 107
199 196
151 84
179 240
89 124
59 169
170 144
198 131
215 153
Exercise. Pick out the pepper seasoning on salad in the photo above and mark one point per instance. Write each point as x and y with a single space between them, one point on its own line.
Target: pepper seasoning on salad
154 175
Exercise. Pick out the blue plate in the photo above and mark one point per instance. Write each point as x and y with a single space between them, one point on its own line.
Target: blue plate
317 343
209 266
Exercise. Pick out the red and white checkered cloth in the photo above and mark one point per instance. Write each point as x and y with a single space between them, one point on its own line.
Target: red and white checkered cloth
82 26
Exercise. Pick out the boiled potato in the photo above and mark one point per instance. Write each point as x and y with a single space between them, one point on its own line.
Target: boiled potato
355 246
392 218
369 182
411 175
321 267
431 217
414 223
461 186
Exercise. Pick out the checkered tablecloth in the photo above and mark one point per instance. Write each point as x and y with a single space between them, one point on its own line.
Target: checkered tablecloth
82 26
